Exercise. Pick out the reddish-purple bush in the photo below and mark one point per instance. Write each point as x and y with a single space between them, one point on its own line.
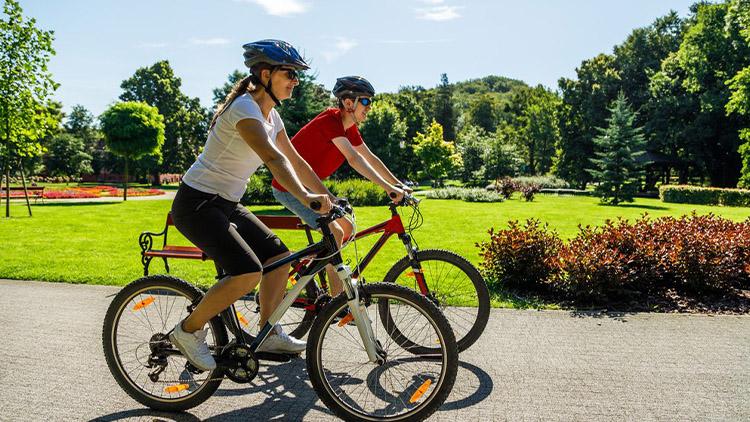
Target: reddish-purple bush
520 257
622 261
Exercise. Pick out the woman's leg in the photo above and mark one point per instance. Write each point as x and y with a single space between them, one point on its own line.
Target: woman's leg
272 288
219 297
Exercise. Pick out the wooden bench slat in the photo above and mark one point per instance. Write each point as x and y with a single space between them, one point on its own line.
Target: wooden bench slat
273 222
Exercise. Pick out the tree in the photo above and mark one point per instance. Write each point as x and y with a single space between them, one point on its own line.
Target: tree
186 122
67 156
220 93
385 134
25 85
532 113
712 51
309 99
583 109
739 85
82 125
132 130
617 147
474 146
442 109
483 112
439 158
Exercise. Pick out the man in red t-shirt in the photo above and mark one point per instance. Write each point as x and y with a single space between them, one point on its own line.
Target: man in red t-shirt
329 139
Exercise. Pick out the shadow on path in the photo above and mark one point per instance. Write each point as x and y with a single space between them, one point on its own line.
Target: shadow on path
286 395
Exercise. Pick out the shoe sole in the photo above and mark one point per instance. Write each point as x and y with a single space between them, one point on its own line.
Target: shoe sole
181 349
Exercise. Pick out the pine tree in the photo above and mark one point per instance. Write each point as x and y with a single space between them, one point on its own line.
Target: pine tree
617 146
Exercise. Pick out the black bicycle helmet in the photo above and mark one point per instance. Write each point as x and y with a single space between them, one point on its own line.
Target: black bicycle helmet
274 52
352 86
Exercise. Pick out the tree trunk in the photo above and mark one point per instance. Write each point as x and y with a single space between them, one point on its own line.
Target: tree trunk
125 182
25 191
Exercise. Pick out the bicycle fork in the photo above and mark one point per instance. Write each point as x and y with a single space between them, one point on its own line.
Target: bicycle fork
361 319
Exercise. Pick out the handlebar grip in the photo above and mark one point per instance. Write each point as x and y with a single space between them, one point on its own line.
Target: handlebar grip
315 205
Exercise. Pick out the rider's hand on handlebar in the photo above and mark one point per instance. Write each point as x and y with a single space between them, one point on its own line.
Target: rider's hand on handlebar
323 200
396 195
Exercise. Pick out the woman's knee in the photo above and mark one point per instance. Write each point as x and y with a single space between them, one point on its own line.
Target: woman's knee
273 259
247 281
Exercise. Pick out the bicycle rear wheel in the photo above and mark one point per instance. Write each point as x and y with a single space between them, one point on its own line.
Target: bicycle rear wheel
408 386
139 354
454 284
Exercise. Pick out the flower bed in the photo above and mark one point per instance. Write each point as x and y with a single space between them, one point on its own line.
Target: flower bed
90 192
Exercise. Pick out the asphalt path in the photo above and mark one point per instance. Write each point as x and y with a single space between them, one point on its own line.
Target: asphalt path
528 366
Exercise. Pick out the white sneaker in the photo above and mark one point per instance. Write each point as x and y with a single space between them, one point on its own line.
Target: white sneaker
278 341
194 347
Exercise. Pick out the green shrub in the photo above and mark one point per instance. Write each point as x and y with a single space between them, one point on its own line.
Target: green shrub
684 194
465 194
544 182
359 192
258 192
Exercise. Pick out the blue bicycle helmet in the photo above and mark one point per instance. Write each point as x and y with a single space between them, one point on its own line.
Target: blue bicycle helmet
273 52
352 86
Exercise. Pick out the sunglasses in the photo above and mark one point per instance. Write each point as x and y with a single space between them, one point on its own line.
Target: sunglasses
365 101
290 73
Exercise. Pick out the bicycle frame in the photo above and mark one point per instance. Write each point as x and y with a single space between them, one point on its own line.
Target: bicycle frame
326 247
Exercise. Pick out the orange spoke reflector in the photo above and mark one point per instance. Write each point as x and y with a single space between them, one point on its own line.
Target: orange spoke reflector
293 280
410 274
347 319
241 318
142 304
420 392
176 388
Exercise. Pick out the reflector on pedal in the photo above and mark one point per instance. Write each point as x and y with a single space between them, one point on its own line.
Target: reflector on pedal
176 388
241 318
420 391
142 304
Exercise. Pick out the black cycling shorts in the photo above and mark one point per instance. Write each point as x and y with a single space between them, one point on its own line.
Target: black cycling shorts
225 231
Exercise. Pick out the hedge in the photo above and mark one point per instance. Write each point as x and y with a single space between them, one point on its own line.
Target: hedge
684 194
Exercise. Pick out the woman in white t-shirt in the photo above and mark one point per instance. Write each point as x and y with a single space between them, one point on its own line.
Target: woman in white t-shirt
245 132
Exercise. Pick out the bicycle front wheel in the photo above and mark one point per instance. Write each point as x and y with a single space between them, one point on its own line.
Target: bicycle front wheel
452 283
407 386
139 353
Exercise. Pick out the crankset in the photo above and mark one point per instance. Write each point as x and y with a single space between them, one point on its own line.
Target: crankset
239 363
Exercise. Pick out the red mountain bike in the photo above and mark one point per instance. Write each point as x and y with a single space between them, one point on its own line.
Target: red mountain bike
447 279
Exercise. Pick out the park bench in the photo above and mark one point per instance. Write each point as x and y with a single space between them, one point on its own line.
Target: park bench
36 192
146 240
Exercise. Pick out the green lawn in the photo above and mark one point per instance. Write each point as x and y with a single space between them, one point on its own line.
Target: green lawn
98 242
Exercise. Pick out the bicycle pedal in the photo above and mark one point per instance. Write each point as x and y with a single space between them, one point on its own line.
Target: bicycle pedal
276 357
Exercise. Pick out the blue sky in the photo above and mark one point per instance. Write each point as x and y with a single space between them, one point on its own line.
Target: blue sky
100 43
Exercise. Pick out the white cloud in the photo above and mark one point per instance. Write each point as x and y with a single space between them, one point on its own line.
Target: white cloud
152 45
342 46
440 13
281 8
432 1
211 41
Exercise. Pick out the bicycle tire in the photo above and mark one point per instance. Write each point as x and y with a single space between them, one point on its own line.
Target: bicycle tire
354 396
468 321
156 297
296 324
